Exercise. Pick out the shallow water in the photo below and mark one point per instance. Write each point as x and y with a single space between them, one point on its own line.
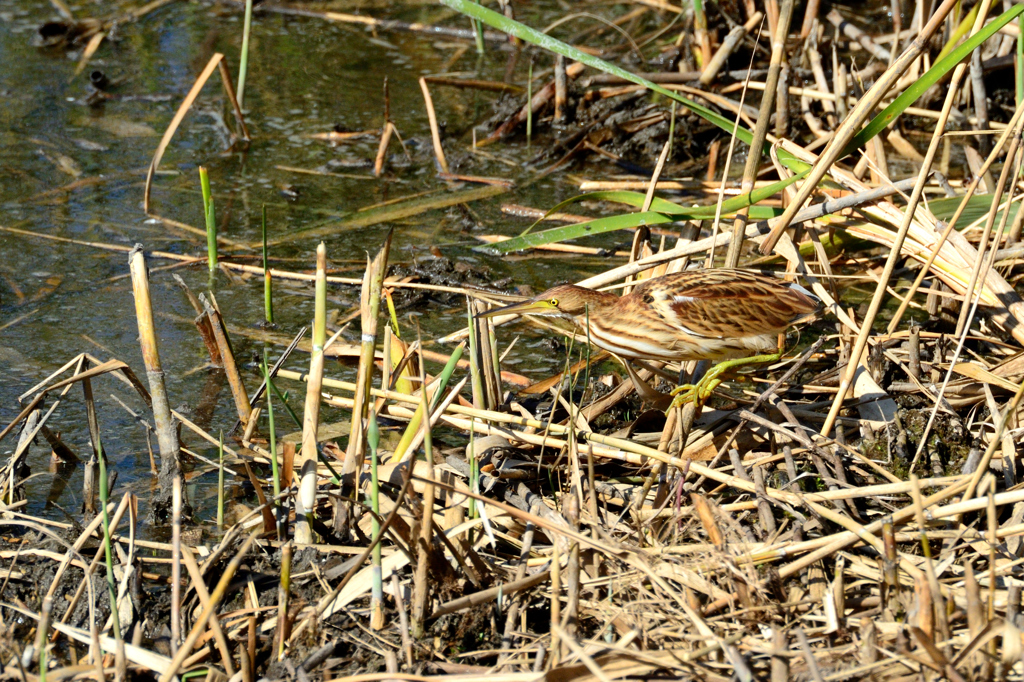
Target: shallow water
306 76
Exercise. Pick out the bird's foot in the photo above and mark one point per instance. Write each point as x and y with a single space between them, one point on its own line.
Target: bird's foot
697 394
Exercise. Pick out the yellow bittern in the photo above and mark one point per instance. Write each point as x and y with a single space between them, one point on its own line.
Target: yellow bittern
730 316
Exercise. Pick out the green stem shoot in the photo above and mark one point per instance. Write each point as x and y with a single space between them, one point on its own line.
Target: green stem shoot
273 444
211 224
104 500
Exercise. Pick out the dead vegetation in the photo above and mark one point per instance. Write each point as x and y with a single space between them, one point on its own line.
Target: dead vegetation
853 512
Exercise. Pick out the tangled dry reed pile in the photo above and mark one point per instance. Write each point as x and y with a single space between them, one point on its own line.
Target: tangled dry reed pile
852 512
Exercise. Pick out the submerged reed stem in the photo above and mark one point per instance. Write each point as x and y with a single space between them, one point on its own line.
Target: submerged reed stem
268 299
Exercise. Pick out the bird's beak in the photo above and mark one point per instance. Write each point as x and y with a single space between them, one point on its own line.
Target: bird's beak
531 307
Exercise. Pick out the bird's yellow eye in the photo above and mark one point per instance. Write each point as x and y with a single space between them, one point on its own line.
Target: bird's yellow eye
554 302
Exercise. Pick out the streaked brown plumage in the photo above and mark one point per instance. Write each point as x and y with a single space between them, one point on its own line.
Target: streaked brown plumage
694 315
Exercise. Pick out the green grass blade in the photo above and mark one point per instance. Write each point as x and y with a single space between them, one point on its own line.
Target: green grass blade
108 554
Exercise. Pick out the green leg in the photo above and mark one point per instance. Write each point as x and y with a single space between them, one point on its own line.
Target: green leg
699 393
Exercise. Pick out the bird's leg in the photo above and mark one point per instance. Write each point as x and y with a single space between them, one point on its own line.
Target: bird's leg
644 389
699 393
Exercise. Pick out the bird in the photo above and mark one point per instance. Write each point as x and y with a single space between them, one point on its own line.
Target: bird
729 316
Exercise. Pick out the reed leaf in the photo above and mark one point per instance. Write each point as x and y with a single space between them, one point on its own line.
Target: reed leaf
658 205
978 207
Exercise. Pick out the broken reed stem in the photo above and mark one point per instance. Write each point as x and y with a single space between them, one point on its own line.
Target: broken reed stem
176 564
435 131
475 373
220 481
369 300
227 354
243 59
166 434
108 554
41 635
268 298
211 223
377 591
306 499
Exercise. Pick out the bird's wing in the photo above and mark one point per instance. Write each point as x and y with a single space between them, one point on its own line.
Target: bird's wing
727 303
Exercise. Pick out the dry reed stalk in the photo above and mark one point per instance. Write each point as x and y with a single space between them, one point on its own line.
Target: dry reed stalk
382 149
199 585
732 257
167 436
283 621
227 355
435 131
852 125
403 621
306 499
421 588
728 46
571 512
555 648
204 617
561 90
1004 137
236 107
369 304
186 104
1004 175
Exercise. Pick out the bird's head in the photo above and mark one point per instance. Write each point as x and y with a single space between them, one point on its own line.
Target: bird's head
566 300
